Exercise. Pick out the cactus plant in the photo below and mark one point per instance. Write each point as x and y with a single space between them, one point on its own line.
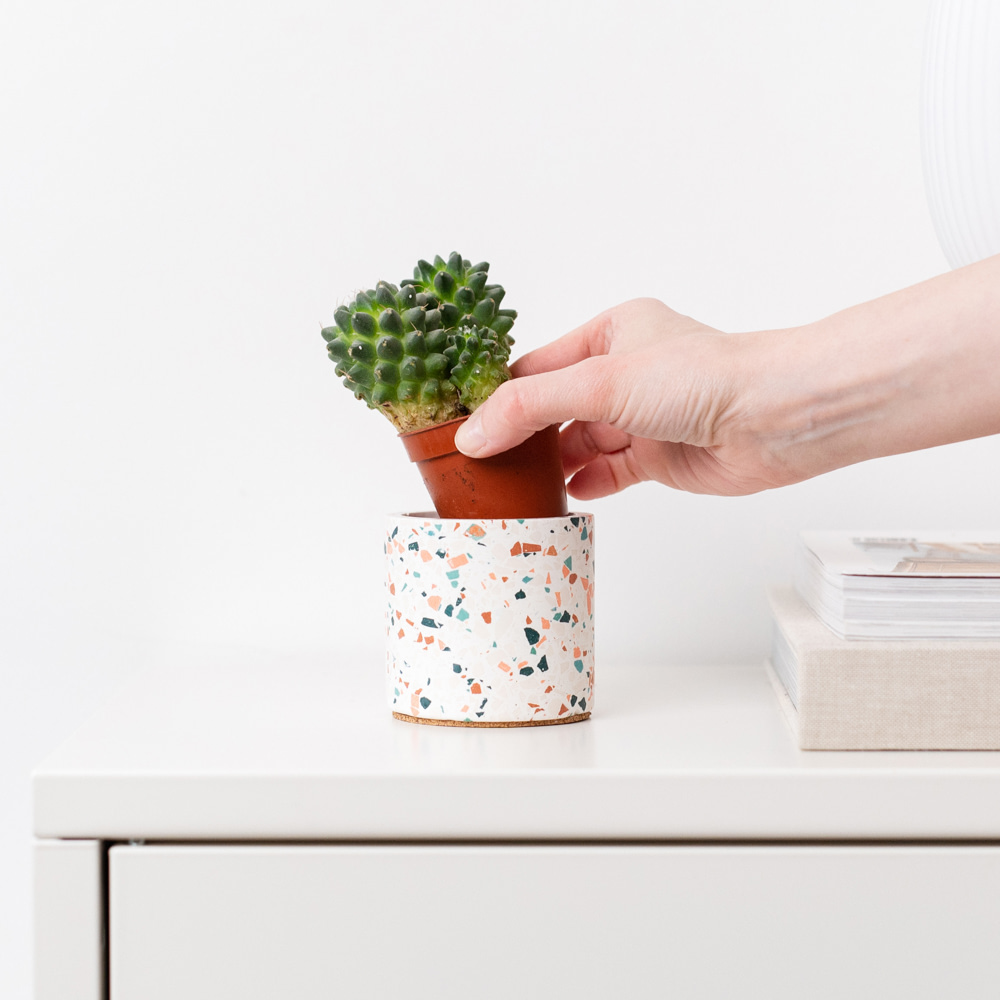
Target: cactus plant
427 350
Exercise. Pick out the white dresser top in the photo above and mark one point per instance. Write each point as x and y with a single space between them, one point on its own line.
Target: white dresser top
307 750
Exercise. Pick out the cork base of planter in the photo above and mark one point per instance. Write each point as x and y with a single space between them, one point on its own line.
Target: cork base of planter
490 725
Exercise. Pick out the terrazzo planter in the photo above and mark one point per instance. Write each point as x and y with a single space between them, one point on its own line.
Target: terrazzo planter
526 480
490 621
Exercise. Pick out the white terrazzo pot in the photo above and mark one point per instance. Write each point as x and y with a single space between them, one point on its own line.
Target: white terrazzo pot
490 622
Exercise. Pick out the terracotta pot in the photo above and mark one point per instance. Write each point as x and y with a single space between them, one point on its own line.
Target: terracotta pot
526 481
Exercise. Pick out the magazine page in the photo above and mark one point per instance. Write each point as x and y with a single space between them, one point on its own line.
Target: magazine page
907 554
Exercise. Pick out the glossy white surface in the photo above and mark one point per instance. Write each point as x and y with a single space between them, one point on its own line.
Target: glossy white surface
69 920
785 923
306 750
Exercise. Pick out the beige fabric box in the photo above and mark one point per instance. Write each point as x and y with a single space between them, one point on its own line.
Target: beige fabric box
851 694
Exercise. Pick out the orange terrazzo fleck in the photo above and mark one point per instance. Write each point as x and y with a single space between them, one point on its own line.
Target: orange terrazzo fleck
546 623
434 601
505 667
563 709
475 531
516 549
551 551
488 617
476 689
392 588
425 555
531 547
457 561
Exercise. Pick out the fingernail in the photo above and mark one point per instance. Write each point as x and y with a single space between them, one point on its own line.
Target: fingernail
470 438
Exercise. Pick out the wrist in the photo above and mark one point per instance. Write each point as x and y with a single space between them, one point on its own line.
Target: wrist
821 396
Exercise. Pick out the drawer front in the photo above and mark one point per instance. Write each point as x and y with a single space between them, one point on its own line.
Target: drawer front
301 922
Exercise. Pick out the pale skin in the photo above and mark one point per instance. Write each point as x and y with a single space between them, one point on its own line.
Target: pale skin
653 395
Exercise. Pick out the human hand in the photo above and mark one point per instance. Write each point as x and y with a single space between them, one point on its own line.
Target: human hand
651 395
655 395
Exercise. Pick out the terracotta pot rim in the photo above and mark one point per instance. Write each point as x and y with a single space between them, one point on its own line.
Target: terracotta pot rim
433 441
427 430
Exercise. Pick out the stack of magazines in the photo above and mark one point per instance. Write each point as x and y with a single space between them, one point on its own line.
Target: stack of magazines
942 585
891 642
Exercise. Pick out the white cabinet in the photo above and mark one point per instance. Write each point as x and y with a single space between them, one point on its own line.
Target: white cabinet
268 830
605 921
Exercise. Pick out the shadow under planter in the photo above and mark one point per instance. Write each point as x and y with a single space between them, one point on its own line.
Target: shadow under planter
490 621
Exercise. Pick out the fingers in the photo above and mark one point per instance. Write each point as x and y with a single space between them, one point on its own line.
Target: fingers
587 341
605 475
585 391
581 442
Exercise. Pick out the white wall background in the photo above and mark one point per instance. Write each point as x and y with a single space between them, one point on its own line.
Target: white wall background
187 190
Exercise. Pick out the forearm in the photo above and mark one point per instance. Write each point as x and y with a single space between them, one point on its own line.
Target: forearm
914 369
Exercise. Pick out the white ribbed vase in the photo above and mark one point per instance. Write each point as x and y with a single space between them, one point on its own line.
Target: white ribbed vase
960 126
490 622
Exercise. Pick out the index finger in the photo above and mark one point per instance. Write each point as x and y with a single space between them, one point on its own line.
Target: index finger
517 409
586 341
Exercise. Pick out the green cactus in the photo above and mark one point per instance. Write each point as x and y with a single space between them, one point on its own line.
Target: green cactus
427 350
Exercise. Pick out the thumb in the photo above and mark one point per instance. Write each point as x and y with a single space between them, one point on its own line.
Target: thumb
522 406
